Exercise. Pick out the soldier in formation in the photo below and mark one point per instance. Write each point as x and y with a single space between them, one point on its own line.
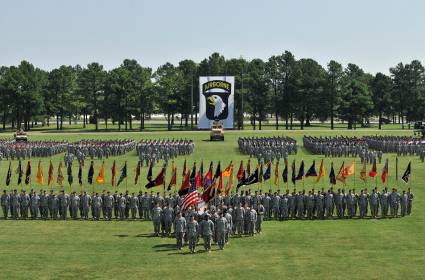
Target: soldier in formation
99 149
267 149
11 150
153 151
237 214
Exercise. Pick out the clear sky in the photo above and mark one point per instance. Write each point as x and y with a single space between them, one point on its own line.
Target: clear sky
375 34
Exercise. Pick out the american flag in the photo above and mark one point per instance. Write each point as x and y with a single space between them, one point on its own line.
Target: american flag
192 196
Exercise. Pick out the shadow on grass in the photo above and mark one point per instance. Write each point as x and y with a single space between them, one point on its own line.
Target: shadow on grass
121 235
145 235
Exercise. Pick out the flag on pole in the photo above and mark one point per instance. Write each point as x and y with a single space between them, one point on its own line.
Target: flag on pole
406 174
50 175
9 174
138 167
60 177
322 172
173 181
113 173
311 172
285 172
300 175
191 198
229 183
248 167
201 170
240 173
80 173
294 177
276 173
40 177
90 174
341 173
226 172
149 176
252 179
198 179
332 178
123 174
20 172
100 179
373 172
69 173
267 174
184 168
363 172
208 177
384 172
185 186
218 175
28 173
350 170
159 179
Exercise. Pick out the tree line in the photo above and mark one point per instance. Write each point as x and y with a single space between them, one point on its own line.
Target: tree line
286 88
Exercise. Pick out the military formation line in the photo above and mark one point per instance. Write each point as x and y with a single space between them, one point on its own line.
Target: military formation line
154 150
11 149
266 149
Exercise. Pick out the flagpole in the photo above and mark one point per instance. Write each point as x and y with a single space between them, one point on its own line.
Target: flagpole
396 170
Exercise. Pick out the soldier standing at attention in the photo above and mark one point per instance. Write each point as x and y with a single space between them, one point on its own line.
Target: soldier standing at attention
44 206
16 203
192 233
156 219
85 205
108 203
252 221
122 204
409 201
179 226
207 229
25 201
239 215
5 201
134 204
403 203
168 219
221 227
260 217
63 204
97 205
394 202
54 205
75 204
229 219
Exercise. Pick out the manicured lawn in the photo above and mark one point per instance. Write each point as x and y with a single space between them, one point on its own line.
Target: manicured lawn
337 249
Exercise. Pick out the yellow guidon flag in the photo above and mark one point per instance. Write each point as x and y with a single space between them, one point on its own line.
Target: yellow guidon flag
40 177
100 179
350 170
321 172
228 171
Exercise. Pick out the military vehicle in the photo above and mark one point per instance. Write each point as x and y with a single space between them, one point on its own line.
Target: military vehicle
217 131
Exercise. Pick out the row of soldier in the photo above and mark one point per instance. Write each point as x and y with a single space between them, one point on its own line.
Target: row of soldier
402 145
99 148
154 150
278 205
10 149
267 149
338 146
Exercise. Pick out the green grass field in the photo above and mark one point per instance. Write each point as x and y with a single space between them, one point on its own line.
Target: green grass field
335 249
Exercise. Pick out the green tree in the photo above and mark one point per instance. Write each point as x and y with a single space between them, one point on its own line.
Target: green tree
91 82
356 97
169 85
381 87
332 93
